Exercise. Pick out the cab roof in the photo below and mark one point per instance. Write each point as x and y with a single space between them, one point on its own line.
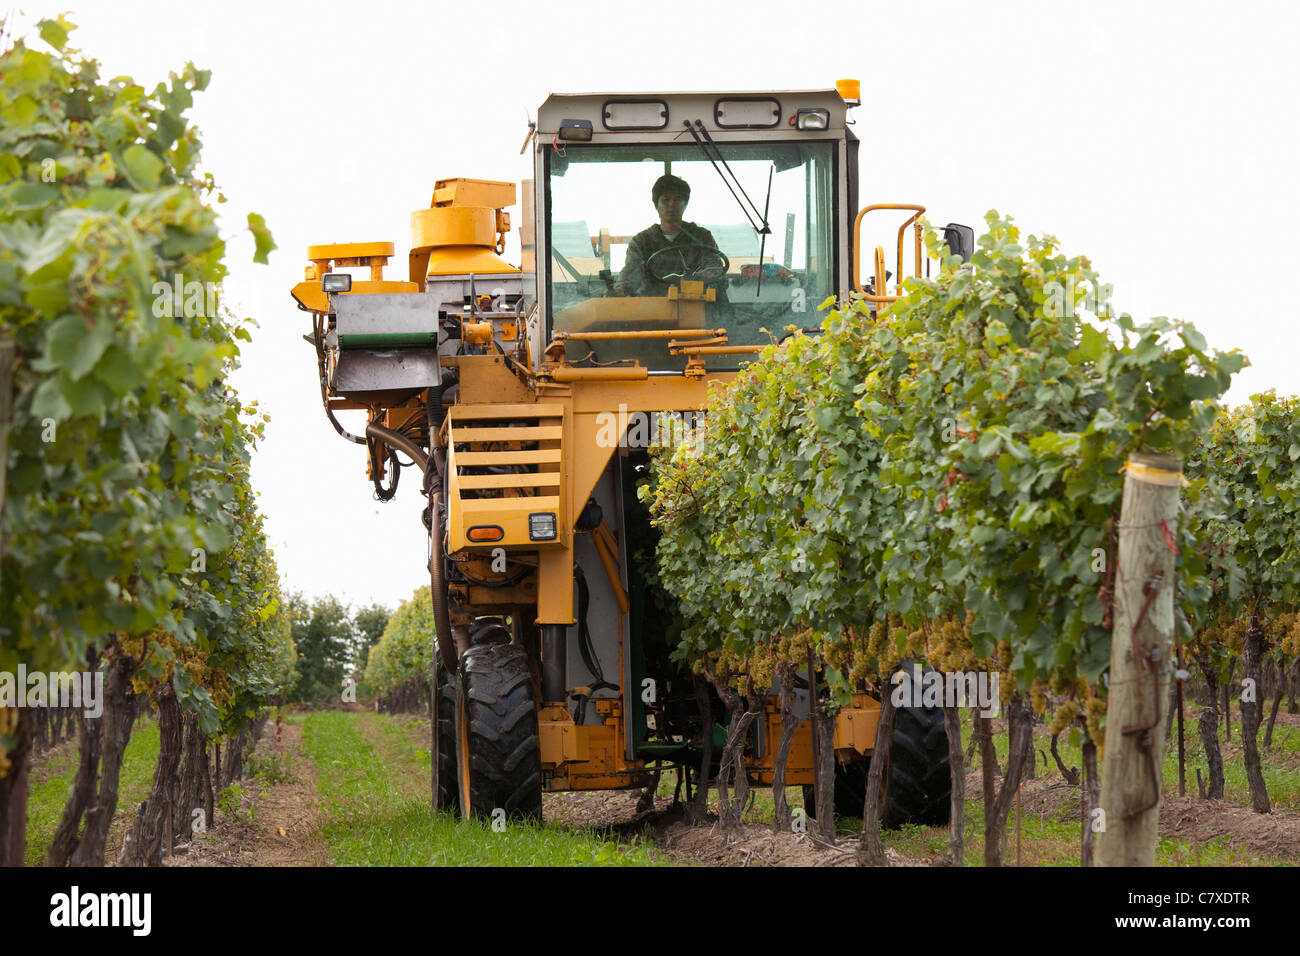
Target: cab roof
719 110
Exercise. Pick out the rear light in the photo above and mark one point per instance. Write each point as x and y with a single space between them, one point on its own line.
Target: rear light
485 532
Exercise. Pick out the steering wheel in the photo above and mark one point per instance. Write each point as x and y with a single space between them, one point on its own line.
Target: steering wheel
670 263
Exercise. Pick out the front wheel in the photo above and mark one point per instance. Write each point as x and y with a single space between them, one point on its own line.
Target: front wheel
497 754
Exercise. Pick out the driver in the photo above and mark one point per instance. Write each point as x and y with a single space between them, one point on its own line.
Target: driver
670 195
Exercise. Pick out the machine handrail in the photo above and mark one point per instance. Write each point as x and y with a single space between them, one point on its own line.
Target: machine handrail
880 295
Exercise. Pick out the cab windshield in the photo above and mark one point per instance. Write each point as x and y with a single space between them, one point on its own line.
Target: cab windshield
618 258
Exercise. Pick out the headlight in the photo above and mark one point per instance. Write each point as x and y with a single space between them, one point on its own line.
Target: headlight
541 526
813 119
575 130
336 282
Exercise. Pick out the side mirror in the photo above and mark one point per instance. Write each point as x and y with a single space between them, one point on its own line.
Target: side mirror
960 240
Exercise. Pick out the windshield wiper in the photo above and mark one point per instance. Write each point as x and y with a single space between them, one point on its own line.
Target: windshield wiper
762 244
701 138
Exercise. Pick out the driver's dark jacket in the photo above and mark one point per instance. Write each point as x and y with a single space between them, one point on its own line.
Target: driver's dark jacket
634 280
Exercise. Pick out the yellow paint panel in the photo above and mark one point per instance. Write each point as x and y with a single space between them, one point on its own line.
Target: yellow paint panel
587 458
515 526
560 741
497 506
460 413
855 727
541 479
555 587
661 393
474 192
315 299
350 250
536 457
528 433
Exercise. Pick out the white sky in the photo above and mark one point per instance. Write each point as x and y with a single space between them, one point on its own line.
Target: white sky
1159 139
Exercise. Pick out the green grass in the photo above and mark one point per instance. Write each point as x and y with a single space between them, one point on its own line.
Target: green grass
371 823
1280 768
46 799
1053 840
397 731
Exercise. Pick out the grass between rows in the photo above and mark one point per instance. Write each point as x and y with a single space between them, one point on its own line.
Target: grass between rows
372 822
1279 763
46 799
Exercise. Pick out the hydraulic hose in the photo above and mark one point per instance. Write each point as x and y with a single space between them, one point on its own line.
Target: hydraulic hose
438 564
399 441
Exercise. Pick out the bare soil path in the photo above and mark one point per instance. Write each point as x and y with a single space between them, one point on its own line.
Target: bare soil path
278 818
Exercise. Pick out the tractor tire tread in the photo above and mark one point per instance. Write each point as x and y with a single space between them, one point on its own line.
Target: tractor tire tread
501 715
920 788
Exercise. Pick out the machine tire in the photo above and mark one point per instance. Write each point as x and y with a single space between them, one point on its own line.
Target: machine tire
488 630
850 789
919 788
444 741
497 750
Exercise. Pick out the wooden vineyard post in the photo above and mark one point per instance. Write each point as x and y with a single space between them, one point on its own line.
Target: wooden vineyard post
1141 661
1182 742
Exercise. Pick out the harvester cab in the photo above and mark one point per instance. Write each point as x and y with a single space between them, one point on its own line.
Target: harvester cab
664 238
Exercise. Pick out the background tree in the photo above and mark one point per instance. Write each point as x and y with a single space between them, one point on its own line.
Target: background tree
399 664
1253 552
324 636
369 622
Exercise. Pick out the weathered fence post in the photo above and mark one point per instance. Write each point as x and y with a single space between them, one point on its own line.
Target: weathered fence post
1141 661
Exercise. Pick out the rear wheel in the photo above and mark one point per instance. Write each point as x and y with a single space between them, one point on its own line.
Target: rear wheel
919 788
850 789
498 758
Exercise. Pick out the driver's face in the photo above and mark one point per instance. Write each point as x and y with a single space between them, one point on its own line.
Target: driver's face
671 205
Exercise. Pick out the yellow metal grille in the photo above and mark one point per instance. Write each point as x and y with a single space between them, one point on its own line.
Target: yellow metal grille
505 462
